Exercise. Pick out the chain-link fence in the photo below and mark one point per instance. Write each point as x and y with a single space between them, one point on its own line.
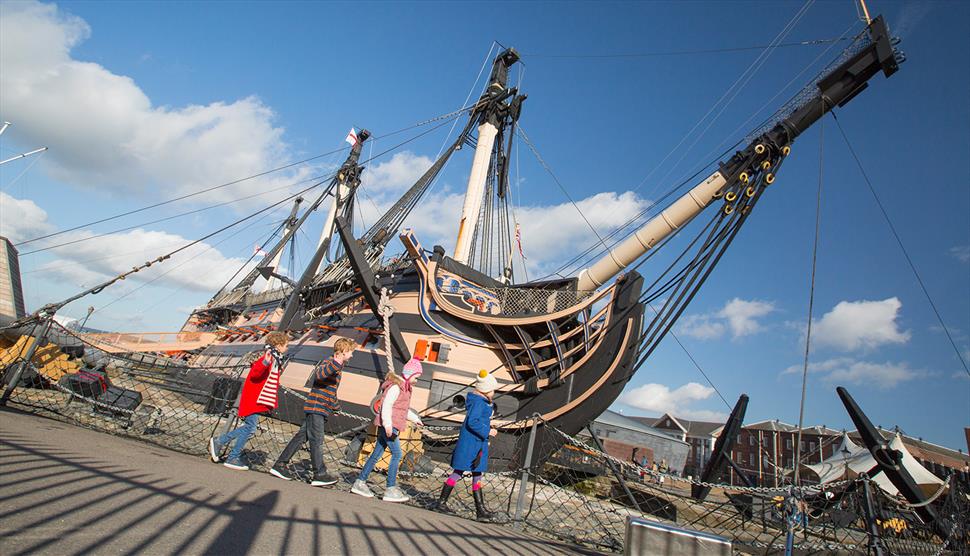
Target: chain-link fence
579 493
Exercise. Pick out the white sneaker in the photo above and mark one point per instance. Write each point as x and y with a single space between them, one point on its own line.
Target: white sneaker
213 450
395 494
361 488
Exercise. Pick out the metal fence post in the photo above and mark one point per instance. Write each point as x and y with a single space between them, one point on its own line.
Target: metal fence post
526 465
875 544
18 373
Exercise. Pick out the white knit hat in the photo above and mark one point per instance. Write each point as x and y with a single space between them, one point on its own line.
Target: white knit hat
486 382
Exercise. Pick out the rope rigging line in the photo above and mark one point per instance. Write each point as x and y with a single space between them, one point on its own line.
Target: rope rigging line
535 152
176 267
24 171
252 256
48 310
902 248
696 364
240 180
179 198
731 93
106 258
587 255
322 179
468 97
574 265
751 69
167 218
690 52
811 293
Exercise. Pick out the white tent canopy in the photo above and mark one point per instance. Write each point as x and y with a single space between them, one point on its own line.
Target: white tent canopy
850 460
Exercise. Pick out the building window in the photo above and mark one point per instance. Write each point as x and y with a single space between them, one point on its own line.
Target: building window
751 459
788 443
801 445
751 440
739 439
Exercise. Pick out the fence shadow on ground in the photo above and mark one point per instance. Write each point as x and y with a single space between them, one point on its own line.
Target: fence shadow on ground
56 499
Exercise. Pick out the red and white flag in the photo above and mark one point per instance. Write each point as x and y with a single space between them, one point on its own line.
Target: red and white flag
258 251
518 239
352 137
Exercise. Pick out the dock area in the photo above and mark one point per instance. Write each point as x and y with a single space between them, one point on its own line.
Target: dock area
69 490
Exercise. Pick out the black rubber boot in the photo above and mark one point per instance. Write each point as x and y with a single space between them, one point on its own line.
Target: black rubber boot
481 512
441 504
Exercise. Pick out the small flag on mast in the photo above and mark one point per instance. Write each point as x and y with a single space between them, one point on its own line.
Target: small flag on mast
518 239
258 251
352 137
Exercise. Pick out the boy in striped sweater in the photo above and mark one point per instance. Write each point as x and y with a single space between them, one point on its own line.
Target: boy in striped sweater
320 405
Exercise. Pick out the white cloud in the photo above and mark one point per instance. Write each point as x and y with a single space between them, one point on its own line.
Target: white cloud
852 325
550 233
659 398
849 370
741 315
21 219
389 179
104 131
961 253
201 267
702 327
826 366
738 315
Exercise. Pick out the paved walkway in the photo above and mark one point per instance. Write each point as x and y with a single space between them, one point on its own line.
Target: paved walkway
69 490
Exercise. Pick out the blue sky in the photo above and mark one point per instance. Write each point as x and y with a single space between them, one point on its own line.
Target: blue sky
141 102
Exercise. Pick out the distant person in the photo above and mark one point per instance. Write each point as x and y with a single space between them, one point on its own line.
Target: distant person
391 419
320 405
471 450
259 395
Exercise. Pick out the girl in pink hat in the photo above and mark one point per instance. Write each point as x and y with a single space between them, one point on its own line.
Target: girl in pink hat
394 413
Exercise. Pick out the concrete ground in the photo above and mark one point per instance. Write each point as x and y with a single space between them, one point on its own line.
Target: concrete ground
69 490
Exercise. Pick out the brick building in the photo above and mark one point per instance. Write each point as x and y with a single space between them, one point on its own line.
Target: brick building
622 435
766 450
700 435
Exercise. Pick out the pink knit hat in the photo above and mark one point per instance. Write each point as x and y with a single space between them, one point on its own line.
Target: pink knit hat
412 369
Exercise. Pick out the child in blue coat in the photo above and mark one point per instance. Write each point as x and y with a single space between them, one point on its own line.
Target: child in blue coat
471 451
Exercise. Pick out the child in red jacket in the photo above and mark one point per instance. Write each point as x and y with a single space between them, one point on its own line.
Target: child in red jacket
259 395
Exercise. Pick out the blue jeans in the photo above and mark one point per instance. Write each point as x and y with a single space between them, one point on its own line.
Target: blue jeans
383 442
241 435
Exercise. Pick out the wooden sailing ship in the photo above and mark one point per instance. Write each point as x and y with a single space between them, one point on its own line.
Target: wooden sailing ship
562 350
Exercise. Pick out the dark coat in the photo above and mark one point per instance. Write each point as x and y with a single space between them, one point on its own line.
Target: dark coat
471 451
